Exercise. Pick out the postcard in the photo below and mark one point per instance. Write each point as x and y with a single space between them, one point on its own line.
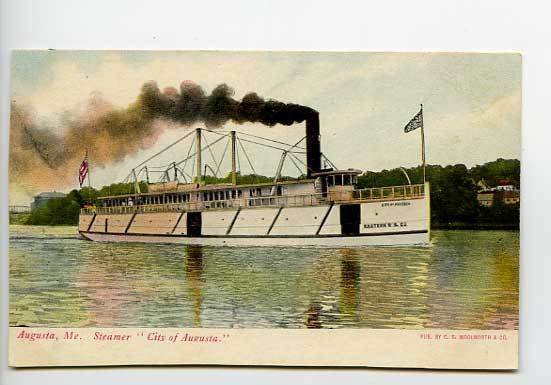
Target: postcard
264 208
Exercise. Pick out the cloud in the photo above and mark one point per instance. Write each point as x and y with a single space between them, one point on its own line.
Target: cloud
364 99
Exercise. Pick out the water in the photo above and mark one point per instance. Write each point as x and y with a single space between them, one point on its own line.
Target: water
466 280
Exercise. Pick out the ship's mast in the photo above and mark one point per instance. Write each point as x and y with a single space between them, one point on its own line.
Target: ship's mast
198 155
233 153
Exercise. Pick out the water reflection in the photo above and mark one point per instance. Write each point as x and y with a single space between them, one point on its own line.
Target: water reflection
349 282
313 317
194 277
467 280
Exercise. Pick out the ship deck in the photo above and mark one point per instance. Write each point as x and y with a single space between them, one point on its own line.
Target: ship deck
390 193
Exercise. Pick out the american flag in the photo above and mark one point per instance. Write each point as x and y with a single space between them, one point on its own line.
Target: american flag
415 123
83 170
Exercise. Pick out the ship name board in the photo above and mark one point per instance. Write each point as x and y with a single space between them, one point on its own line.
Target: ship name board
385 224
387 204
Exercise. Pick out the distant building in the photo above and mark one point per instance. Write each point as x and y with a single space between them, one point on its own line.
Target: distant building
42 198
511 197
505 192
485 198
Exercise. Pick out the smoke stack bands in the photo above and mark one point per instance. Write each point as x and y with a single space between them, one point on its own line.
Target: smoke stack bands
111 134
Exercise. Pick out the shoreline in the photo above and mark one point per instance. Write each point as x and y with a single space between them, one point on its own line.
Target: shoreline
475 226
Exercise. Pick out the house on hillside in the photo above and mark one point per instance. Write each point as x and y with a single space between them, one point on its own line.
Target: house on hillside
504 192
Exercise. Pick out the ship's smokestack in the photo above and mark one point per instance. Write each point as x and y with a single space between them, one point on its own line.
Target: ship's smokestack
313 147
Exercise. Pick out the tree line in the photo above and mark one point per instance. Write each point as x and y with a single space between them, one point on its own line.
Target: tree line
454 189
453 194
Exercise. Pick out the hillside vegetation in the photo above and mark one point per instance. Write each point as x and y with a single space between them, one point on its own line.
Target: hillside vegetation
453 194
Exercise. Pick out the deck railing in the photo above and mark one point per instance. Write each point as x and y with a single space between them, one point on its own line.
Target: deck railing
392 192
367 194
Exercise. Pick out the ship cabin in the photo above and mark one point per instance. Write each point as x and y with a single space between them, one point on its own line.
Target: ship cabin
338 185
325 186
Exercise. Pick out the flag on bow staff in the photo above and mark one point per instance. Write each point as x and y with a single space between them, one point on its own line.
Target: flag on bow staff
415 123
83 170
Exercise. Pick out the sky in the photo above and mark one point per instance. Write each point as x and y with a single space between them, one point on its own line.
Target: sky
471 102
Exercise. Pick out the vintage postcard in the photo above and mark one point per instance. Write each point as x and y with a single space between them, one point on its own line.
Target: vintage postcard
264 208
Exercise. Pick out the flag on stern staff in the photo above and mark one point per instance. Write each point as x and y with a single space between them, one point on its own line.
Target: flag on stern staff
415 123
83 170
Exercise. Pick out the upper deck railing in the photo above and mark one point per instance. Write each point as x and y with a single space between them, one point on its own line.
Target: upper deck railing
361 195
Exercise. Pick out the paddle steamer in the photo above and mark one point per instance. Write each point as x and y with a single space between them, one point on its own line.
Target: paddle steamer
323 208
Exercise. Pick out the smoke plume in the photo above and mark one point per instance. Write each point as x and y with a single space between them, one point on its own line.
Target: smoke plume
41 159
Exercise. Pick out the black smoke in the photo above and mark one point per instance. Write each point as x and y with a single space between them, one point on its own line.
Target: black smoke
191 105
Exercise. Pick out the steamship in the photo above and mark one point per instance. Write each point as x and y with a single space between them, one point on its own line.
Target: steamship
322 208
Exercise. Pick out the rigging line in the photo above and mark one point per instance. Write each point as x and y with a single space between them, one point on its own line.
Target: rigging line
188 152
300 160
297 158
204 148
273 140
296 144
329 160
298 168
274 147
159 153
219 132
246 156
184 173
223 155
211 153
164 149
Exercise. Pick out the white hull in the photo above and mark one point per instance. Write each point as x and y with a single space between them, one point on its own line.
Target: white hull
393 222
381 239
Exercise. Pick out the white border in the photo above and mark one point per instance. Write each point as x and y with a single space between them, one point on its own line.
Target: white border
436 25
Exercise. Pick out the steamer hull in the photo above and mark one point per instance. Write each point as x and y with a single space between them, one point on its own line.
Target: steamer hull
397 239
382 221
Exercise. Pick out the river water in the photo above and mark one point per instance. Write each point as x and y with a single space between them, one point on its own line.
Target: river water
465 280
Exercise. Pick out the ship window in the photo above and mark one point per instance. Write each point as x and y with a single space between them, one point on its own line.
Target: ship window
211 196
239 193
233 194
331 180
279 190
346 179
338 180
205 196
228 196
